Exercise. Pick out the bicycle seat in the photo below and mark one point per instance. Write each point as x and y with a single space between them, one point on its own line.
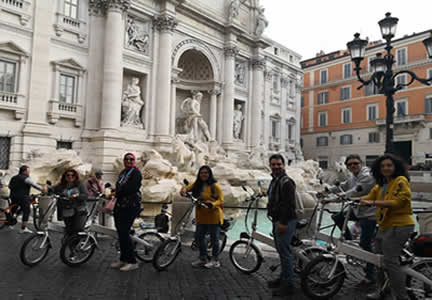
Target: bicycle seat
302 223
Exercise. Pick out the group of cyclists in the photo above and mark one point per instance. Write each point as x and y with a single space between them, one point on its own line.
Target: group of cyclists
382 191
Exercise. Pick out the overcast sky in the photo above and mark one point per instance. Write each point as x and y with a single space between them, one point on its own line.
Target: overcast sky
308 26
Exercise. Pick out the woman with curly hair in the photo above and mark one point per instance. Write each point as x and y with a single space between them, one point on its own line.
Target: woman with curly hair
392 197
72 207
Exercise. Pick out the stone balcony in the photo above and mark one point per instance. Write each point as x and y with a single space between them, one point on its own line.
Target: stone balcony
13 102
407 121
61 110
20 8
71 25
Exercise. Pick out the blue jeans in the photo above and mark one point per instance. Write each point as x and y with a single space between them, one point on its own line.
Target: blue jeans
283 247
368 228
214 230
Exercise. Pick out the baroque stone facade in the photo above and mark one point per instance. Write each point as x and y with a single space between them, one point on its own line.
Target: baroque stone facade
107 76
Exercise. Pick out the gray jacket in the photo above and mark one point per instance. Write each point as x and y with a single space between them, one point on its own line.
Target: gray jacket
364 179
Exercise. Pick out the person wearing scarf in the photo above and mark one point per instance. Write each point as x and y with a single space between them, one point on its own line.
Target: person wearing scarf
127 208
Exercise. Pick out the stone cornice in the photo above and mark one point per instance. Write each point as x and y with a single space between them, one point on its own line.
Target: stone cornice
100 7
231 51
165 23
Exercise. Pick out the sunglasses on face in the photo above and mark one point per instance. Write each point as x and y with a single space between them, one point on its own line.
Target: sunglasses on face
129 159
70 175
353 164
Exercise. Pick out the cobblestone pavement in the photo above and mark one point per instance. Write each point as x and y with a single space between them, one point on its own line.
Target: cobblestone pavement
51 279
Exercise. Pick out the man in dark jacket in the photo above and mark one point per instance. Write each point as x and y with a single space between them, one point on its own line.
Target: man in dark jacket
19 187
281 210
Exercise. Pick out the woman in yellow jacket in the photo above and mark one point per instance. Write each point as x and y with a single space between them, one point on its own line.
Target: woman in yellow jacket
207 219
392 197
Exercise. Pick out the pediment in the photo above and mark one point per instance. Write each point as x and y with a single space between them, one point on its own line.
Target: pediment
69 63
13 48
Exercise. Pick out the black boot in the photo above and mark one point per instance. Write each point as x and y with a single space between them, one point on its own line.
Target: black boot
273 284
286 288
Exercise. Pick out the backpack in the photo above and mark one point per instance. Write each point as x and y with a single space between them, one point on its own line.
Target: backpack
161 223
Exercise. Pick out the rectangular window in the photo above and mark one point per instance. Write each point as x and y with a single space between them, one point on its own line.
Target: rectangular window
302 101
64 145
323 76
401 56
7 76
372 112
322 98
429 74
275 129
370 159
67 88
347 70
401 108
428 105
4 152
430 133
322 141
323 162
401 79
275 82
346 115
289 131
345 93
322 119
374 137
346 139
71 8
371 89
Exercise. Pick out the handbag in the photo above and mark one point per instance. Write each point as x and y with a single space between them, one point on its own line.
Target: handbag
109 206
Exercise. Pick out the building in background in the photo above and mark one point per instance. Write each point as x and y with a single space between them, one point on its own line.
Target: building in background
106 76
339 119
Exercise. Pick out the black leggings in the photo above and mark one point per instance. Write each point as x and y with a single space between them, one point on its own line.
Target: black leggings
24 204
123 219
75 223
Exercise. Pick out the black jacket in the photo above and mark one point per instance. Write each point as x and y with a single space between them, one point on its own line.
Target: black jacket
128 190
282 204
19 189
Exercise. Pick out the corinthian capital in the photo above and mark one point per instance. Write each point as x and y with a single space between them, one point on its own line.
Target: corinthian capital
165 23
231 51
118 5
97 7
258 63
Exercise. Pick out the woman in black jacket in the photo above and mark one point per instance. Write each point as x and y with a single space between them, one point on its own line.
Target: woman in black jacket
127 208
72 206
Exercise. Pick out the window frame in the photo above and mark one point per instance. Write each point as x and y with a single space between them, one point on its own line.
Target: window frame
376 111
71 5
326 98
322 138
375 140
396 113
350 71
321 77
405 81
8 142
398 63
343 110
344 88
15 64
319 118
342 139
428 97
74 87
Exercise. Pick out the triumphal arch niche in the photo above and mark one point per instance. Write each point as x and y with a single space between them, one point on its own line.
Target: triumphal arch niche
197 87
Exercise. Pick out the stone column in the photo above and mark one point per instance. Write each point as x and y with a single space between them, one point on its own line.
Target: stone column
113 64
174 82
258 66
268 76
213 112
228 102
165 24
95 66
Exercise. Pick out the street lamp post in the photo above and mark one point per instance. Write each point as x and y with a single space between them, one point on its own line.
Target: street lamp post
383 76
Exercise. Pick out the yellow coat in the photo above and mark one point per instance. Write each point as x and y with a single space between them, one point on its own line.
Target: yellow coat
212 215
399 193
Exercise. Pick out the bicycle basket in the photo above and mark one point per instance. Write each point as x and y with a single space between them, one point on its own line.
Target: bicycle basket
423 245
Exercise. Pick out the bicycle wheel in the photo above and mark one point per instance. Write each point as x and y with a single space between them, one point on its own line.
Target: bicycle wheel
311 253
245 256
36 218
416 288
77 249
166 254
3 218
315 281
34 249
145 253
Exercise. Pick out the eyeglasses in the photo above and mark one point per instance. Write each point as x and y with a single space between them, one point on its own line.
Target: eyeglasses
70 175
353 164
129 159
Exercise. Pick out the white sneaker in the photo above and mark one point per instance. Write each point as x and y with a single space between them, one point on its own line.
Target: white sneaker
11 227
214 264
199 263
129 267
26 230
